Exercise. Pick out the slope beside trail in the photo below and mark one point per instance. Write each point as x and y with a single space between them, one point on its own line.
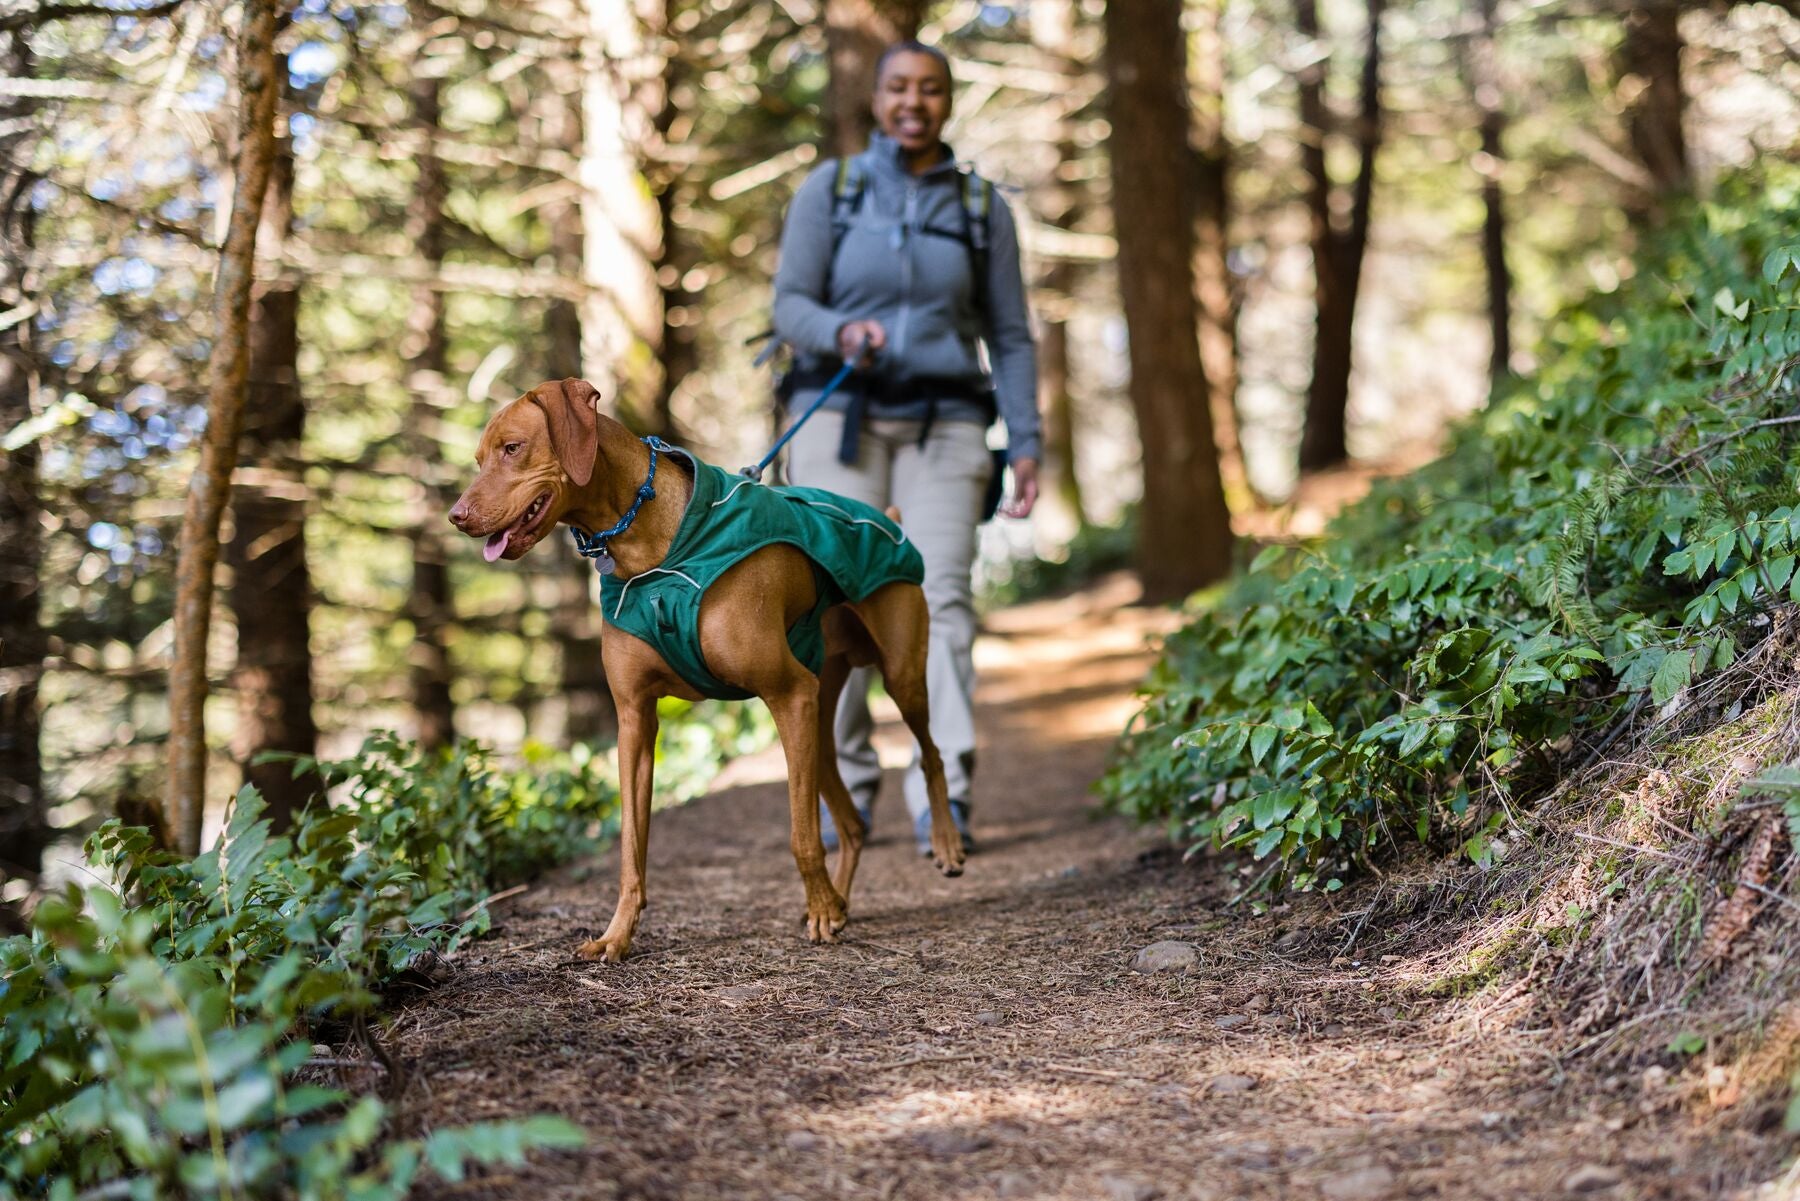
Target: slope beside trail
987 1036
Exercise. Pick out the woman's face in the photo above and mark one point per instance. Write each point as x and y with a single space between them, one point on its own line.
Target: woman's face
912 101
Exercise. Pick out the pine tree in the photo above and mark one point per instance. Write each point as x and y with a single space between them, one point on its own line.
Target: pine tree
24 827
1184 536
210 486
271 590
1337 252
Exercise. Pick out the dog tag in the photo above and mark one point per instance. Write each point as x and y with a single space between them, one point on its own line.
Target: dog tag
603 563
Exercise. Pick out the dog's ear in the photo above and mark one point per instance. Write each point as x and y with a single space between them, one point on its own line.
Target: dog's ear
570 407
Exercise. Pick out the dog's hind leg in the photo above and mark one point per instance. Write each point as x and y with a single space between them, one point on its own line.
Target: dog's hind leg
898 620
849 823
795 707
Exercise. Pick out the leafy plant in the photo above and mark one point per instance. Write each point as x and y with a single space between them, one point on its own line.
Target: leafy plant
1782 784
1600 538
154 1026
1091 553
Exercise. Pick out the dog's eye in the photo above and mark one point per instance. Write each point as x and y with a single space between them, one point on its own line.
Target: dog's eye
511 448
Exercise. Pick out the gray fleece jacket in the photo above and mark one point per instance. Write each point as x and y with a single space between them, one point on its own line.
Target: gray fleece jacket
897 266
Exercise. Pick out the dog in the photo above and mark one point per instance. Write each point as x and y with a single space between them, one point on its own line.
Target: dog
552 457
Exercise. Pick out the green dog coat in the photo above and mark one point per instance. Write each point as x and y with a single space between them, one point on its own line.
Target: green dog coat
854 549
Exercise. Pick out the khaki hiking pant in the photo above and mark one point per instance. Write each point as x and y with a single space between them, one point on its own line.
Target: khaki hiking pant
938 489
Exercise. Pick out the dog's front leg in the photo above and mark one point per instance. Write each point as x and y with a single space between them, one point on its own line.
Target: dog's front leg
637 766
796 713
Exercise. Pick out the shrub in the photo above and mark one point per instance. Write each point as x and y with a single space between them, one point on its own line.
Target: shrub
1091 553
1600 537
153 1026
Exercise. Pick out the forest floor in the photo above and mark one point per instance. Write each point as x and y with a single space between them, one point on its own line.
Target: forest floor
989 1036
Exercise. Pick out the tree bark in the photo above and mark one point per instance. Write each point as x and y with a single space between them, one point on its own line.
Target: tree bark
271 590
679 343
184 798
575 619
622 319
24 826
1212 226
1184 538
856 32
1489 99
1057 403
1053 24
1337 253
426 349
1650 72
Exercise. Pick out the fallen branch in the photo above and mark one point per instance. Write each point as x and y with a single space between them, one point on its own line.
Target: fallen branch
484 902
1701 449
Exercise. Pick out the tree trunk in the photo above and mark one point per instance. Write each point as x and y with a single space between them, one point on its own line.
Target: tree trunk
575 620
1650 70
185 795
1337 253
426 350
1057 404
1053 24
24 826
1184 539
856 32
271 590
1212 270
679 341
1489 99
622 319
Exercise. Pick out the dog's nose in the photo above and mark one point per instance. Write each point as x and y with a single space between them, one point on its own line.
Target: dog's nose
459 514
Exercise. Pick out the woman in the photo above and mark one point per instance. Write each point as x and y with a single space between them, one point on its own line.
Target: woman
901 260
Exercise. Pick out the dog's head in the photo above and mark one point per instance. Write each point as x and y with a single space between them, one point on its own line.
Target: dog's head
534 456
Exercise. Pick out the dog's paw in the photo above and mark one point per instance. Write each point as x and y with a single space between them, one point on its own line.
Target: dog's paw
824 924
947 850
607 950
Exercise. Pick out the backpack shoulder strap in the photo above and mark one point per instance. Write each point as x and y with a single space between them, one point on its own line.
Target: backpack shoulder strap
849 182
847 188
977 202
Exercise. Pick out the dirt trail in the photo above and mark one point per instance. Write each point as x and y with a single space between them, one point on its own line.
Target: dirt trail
986 1036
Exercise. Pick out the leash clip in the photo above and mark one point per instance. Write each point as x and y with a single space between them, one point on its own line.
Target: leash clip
754 471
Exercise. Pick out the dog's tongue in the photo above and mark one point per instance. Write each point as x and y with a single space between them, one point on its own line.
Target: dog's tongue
496 544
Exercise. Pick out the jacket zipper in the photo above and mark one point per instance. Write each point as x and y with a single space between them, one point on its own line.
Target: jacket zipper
907 220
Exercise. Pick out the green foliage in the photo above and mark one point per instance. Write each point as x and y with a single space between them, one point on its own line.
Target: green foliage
1781 784
1091 553
696 737
1687 1043
154 1026
1601 537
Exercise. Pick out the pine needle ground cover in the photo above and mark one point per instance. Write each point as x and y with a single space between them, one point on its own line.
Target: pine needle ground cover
1604 536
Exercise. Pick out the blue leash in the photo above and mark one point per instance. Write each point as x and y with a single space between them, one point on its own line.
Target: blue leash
755 472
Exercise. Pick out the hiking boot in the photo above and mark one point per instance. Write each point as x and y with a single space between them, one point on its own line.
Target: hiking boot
959 814
828 829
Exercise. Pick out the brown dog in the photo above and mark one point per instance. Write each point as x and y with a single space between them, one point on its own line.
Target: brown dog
552 457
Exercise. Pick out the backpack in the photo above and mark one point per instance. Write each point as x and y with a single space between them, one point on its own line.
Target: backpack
847 190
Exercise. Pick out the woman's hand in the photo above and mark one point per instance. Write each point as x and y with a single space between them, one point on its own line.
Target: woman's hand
1024 490
866 334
